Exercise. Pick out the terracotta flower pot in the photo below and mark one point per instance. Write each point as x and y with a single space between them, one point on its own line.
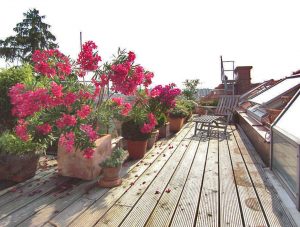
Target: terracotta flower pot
175 124
111 177
152 139
164 131
136 149
73 164
18 168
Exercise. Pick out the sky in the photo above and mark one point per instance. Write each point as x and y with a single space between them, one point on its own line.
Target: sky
176 40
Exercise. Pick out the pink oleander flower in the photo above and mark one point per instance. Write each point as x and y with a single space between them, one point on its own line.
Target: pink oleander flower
148 127
88 59
44 129
56 90
21 130
131 56
117 101
88 153
69 99
90 132
66 120
126 109
67 140
84 111
51 63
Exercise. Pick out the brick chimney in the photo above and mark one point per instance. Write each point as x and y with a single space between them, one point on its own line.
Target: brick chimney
243 79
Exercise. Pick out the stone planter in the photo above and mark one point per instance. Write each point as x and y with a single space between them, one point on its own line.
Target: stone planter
164 131
152 139
73 164
18 168
136 149
111 177
175 124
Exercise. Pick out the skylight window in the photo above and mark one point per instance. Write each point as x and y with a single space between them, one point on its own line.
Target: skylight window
276 90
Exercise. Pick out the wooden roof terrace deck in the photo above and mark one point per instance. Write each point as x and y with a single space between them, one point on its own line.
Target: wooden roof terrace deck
183 181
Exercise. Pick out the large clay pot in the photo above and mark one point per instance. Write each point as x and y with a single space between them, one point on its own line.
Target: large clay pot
136 149
73 164
175 124
18 168
164 131
152 139
111 177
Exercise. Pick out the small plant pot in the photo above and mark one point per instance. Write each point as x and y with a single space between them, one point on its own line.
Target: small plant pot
18 168
111 177
164 131
152 139
176 124
136 149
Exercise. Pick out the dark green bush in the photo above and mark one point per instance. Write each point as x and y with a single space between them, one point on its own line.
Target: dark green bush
8 78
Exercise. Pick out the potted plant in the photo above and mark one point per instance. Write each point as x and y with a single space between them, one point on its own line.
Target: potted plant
18 159
111 169
190 106
61 106
137 127
176 117
162 99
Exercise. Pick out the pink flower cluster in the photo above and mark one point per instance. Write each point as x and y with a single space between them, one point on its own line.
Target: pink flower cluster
84 111
125 107
26 103
21 130
90 132
166 95
51 63
67 141
44 129
148 127
126 79
87 58
66 120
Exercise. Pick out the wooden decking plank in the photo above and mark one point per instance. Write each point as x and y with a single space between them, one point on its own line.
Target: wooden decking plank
166 206
62 193
39 174
87 192
252 211
254 155
185 213
270 201
17 191
230 213
30 196
136 191
208 207
44 213
89 214
143 208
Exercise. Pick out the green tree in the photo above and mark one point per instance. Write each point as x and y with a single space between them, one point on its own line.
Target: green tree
31 34
190 89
